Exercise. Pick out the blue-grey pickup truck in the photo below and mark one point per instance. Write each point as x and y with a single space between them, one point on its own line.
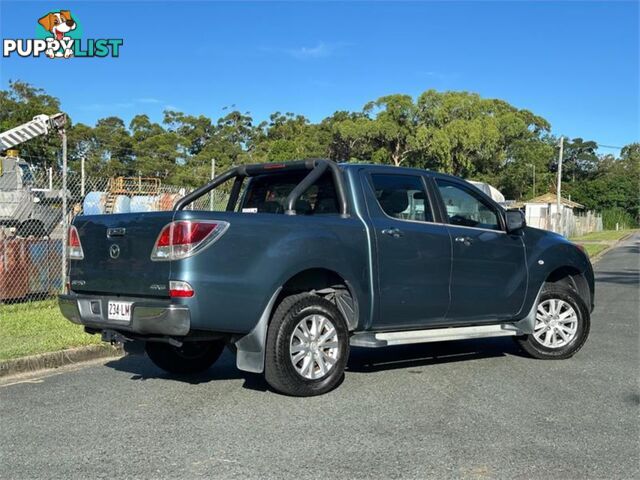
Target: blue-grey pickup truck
308 258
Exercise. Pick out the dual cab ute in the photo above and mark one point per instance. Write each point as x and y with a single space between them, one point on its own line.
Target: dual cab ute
311 257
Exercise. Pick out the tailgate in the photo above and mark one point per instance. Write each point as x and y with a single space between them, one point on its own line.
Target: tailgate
119 263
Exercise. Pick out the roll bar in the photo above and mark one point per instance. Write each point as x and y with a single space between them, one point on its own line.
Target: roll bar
316 167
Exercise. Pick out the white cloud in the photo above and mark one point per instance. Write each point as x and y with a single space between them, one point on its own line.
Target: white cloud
120 105
319 50
439 75
104 106
147 100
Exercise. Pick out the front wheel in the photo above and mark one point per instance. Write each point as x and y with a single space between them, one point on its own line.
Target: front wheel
561 327
191 357
307 346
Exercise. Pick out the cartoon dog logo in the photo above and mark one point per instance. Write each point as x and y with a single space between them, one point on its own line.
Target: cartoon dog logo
58 24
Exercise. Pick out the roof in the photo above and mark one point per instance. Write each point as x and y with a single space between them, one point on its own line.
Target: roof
552 198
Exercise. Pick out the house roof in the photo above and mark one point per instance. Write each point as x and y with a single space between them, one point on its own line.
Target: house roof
552 198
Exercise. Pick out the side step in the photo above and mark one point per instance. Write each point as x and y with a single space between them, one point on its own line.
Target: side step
383 339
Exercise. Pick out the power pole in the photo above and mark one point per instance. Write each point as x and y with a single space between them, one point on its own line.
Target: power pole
534 180
559 188
533 167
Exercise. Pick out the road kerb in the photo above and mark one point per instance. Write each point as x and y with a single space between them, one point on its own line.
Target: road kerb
597 257
57 359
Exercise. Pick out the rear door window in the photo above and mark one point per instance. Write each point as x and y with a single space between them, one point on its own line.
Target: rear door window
402 196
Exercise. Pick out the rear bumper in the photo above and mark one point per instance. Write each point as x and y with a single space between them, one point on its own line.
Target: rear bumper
148 317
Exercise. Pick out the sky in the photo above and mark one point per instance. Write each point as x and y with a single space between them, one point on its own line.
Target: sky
574 63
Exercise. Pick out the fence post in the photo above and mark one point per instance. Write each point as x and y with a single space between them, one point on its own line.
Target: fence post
213 175
65 227
82 177
50 178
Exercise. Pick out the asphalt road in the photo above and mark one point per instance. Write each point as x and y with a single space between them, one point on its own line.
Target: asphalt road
469 409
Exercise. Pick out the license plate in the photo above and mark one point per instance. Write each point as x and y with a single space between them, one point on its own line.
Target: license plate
120 311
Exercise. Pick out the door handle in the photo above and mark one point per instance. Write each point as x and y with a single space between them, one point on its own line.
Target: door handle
393 232
465 240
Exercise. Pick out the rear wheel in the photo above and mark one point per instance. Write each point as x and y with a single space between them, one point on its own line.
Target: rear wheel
307 346
561 326
191 357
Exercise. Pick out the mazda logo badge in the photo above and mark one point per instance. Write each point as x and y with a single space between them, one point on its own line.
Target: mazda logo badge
114 251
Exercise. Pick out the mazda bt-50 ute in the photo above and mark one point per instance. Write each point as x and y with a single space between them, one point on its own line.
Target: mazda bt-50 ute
311 257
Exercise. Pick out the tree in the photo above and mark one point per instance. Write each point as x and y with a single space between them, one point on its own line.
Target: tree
580 159
106 148
393 131
470 136
156 150
616 185
454 132
18 105
290 137
196 131
349 136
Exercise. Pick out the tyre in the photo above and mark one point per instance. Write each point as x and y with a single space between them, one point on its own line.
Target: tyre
191 357
561 327
307 346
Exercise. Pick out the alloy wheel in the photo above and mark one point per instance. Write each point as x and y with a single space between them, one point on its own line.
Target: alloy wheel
556 323
314 347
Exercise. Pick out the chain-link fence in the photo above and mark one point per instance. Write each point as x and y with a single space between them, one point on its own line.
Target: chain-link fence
33 221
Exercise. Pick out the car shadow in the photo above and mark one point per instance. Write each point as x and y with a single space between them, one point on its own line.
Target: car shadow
142 368
626 277
361 360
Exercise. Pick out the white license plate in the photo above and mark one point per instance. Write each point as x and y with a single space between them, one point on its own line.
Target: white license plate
120 311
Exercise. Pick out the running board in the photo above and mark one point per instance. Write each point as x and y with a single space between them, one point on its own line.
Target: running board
383 339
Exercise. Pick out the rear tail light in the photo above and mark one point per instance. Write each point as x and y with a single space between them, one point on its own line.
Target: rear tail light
179 289
74 247
184 238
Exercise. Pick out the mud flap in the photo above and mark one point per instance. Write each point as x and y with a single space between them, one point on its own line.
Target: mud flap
250 348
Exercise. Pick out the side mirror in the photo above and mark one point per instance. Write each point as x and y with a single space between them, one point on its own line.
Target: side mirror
515 220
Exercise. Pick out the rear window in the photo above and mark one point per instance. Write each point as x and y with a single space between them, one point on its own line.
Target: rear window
268 194
402 197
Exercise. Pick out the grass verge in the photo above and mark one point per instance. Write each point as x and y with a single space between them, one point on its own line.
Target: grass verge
38 327
604 236
594 249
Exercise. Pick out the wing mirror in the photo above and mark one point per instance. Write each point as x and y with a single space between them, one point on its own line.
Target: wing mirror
515 220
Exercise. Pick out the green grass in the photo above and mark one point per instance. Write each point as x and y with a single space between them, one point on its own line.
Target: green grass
594 248
604 236
38 327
